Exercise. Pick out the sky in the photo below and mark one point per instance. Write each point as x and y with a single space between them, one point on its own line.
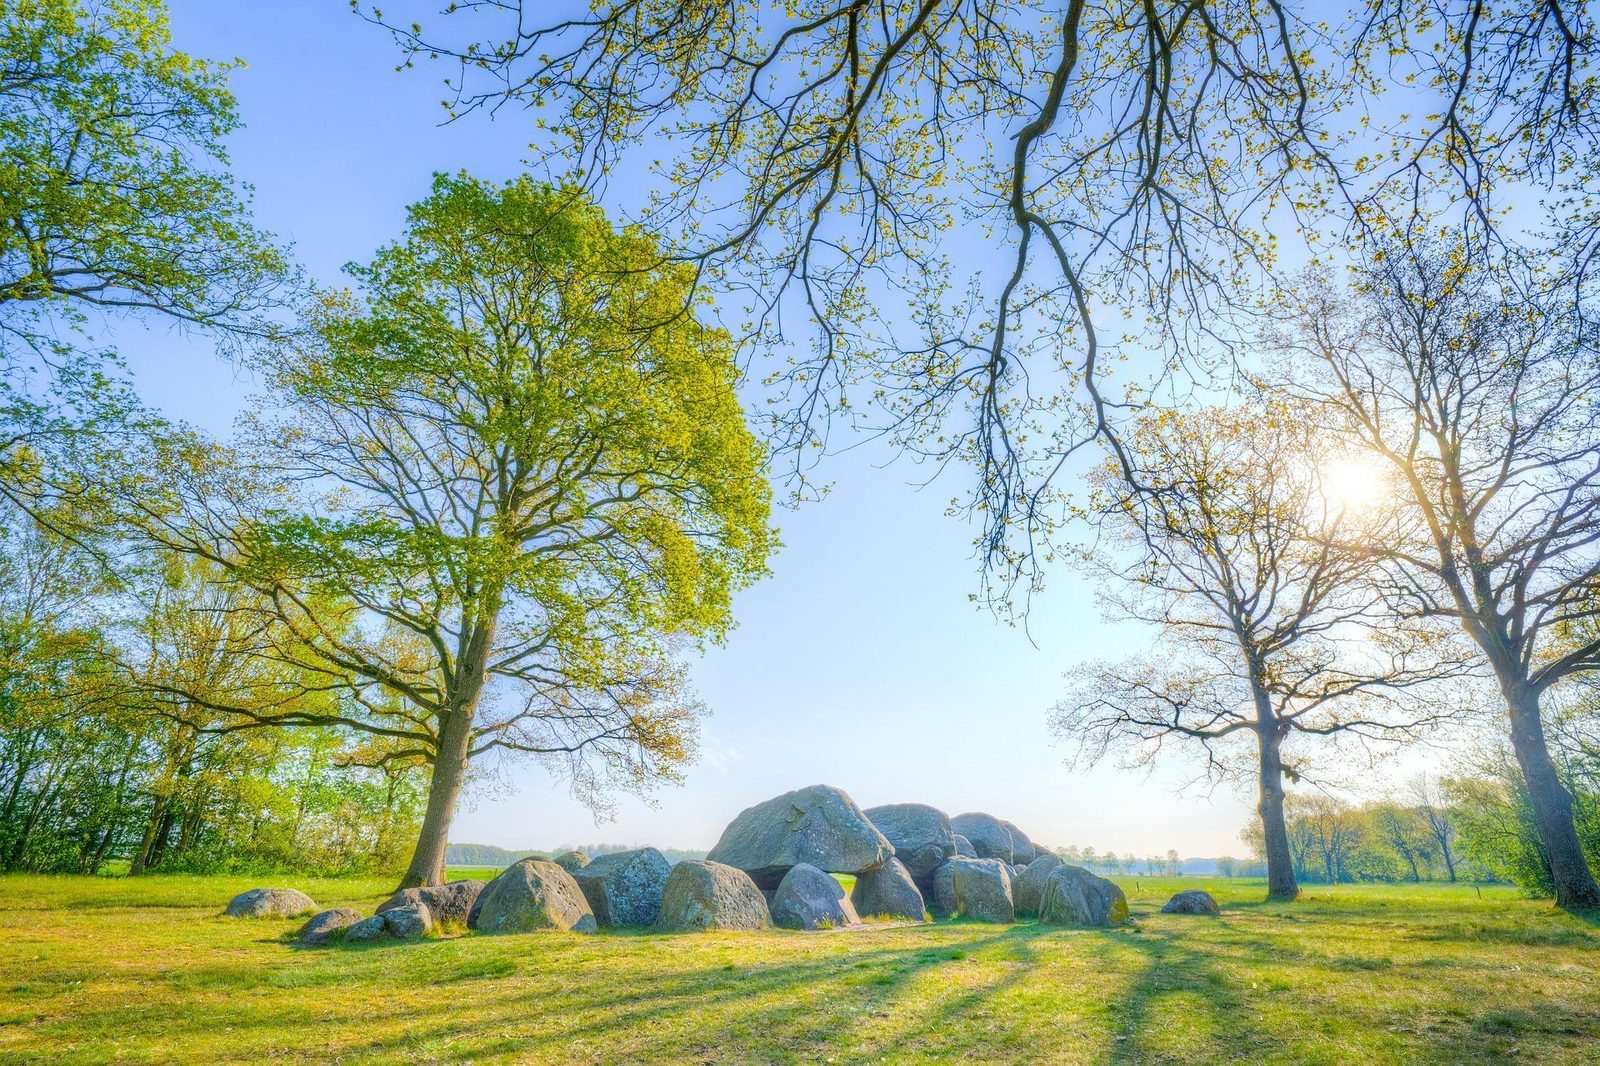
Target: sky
861 662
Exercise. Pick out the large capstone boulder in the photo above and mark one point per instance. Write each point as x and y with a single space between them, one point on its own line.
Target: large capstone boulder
572 860
921 835
1028 889
990 839
449 904
808 898
327 926
964 848
820 826
1074 896
625 888
983 891
888 892
1194 901
532 895
1023 850
701 894
271 903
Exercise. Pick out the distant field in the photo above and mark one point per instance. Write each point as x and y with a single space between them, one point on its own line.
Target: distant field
145 970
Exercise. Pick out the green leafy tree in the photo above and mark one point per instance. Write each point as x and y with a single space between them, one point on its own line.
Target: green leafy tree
113 187
520 477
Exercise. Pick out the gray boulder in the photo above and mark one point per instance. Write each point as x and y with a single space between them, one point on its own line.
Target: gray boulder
941 895
889 892
701 894
983 891
1028 889
990 839
449 904
625 888
326 926
921 835
964 848
1194 901
1074 896
820 826
1022 848
411 922
374 928
572 860
807 898
271 903
532 895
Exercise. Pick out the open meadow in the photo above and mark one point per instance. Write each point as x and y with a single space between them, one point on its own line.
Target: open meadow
146 970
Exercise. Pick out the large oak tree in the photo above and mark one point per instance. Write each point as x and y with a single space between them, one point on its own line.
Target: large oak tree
517 473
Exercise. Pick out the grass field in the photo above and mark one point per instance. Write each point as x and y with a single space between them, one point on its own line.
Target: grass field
94 970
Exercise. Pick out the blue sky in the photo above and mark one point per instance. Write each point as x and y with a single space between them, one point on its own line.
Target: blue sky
860 663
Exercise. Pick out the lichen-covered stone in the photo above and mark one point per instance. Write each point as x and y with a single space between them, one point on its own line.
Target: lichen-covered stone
983 891
572 860
1074 896
701 894
625 888
534 895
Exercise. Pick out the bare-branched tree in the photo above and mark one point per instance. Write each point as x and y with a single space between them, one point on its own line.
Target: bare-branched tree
968 207
1475 385
1236 554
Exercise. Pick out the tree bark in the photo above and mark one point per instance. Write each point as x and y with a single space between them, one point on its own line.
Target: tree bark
449 770
1552 804
451 756
1281 885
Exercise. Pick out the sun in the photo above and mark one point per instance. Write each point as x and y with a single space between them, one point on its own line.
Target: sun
1353 484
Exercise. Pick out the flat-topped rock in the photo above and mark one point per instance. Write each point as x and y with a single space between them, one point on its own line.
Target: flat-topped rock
819 826
983 891
271 903
701 894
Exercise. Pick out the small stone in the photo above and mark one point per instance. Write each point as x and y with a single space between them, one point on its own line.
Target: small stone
271 903
1193 901
327 926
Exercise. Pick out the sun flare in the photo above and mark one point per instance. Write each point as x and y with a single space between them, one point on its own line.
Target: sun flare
1353 484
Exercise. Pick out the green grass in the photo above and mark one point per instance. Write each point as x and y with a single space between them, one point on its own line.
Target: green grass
146 970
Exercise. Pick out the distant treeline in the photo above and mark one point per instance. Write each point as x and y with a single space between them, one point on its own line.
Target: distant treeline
494 855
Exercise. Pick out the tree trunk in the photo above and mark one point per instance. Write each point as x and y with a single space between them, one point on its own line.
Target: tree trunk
1281 884
147 843
1552 804
449 770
